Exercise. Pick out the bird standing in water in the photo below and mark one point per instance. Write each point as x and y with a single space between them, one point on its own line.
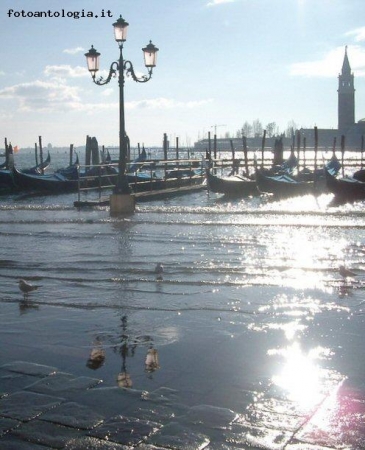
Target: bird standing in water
159 271
26 288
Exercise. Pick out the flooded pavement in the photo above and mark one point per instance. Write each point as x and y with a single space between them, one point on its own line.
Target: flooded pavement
50 407
252 339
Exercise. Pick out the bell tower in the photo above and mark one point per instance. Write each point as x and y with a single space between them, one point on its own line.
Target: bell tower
346 96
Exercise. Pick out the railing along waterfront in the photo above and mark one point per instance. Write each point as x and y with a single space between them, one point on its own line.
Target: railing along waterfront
149 175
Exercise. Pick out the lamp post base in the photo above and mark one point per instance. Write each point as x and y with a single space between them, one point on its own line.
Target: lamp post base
122 204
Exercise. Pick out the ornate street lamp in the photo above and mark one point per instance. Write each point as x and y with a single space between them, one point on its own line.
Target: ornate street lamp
119 67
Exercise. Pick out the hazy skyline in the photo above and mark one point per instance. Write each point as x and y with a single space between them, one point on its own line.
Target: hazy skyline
221 63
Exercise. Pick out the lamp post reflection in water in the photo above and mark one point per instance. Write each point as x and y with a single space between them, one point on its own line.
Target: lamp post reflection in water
124 379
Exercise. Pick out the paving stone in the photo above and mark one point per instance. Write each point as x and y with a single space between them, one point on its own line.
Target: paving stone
177 437
28 368
7 424
62 383
262 416
125 430
339 422
108 401
73 415
158 412
11 382
210 416
45 433
306 446
25 406
15 443
247 435
149 447
90 443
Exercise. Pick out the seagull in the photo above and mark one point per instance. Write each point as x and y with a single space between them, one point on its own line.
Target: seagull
26 288
345 273
159 271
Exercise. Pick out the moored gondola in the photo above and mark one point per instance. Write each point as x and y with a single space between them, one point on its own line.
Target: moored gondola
233 186
283 186
346 189
49 183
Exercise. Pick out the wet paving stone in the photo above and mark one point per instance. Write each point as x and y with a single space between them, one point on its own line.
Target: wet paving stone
63 383
109 402
27 368
45 433
26 406
211 416
11 382
73 415
8 424
178 437
14 443
125 430
158 412
89 443
246 435
339 422
305 446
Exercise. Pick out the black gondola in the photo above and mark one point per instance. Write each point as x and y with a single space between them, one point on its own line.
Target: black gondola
234 185
282 186
346 189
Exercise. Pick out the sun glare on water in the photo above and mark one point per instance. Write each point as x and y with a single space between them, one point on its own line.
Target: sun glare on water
300 377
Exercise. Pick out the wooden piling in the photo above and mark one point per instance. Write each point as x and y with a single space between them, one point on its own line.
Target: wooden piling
343 153
41 153
244 144
263 149
71 153
315 147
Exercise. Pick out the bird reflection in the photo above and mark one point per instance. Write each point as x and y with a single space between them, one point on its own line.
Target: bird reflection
159 271
26 305
152 360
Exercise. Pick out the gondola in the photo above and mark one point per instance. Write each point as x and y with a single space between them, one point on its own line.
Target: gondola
39 168
346 189
232 186
48 183
282 186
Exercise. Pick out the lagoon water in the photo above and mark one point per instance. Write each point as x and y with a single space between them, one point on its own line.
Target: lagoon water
260 340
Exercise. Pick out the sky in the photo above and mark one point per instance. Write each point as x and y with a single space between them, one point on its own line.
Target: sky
221 63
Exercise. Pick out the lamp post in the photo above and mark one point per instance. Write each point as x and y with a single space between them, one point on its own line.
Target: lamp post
120 68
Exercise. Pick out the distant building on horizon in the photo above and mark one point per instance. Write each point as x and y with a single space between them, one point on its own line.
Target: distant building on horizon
346 126
353 132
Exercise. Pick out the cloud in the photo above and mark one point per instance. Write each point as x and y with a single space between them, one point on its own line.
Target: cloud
219 2
358 34
65 71
73 51
42 96
167 103
331 63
